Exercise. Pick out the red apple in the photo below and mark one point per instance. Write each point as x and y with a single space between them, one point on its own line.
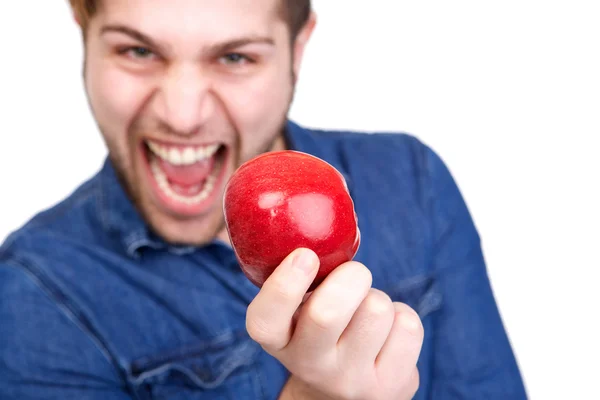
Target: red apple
283 200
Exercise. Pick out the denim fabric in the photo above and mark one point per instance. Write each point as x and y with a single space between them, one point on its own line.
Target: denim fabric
93 306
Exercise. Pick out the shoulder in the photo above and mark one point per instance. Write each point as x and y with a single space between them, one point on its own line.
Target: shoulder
398 145
26 301
39 263
402 167
67 220
398 162
408 181
395 152
404 191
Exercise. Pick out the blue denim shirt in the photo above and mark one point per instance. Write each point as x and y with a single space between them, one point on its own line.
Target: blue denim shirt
93 306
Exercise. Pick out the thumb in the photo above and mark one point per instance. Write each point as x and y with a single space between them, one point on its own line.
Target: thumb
295 274
269 318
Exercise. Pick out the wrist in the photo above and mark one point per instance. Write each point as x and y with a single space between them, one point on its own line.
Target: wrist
286 392
297 390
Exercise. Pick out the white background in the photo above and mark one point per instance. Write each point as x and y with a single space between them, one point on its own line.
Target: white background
508 93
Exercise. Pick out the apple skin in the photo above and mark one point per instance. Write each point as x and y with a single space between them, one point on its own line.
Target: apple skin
283 200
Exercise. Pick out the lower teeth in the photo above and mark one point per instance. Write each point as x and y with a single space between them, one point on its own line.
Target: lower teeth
163 183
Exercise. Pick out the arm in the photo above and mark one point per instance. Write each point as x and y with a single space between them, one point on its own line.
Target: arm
474 359
44 353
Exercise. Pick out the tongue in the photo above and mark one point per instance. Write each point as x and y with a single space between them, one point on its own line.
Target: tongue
187 175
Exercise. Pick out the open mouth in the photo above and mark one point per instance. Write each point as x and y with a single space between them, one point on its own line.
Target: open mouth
185 177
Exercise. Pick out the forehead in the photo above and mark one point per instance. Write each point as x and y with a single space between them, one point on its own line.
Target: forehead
206 20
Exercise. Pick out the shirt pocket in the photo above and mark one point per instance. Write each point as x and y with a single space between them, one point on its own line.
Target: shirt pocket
221 368
421 293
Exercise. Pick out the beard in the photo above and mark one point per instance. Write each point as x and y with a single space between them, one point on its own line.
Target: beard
130 176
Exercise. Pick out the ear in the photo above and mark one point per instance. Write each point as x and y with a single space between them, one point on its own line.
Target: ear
76 17
301 41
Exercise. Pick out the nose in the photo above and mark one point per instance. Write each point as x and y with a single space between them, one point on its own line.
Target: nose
184 102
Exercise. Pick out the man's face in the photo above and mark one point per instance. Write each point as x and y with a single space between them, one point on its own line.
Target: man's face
184 91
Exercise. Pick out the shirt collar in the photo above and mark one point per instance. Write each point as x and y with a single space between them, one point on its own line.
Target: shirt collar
119 217
124 223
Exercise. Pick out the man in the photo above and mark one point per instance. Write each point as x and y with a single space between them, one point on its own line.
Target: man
129 289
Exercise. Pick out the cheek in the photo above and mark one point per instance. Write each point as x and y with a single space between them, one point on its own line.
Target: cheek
116 97
258 105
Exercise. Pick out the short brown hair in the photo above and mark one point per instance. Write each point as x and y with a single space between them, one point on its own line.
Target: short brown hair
294 12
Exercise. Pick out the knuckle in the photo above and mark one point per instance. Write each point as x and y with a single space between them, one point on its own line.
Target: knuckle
362 273
323 318
414 382
349 278
258 330
355 274
379 304
409 320
281 290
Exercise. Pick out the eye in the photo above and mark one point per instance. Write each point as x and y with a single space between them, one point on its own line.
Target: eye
235 58
137 52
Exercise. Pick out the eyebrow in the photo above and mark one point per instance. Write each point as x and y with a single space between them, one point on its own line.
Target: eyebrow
236 43
137 35
217 48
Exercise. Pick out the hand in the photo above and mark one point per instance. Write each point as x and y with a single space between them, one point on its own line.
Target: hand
346 341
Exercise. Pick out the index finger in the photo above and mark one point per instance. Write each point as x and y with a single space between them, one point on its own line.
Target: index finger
269 316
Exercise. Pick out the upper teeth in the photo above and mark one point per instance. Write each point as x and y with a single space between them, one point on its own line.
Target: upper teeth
183 156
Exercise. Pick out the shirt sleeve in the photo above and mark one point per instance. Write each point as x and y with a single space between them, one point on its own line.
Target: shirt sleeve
473 358
44 351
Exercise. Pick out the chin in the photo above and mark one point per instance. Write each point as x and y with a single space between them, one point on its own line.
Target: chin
198 231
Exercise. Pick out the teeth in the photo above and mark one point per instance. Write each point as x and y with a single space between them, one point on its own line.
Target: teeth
182 156
188 156
163 183
174 156
156 149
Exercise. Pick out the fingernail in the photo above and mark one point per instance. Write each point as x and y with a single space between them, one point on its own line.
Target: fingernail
304 260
